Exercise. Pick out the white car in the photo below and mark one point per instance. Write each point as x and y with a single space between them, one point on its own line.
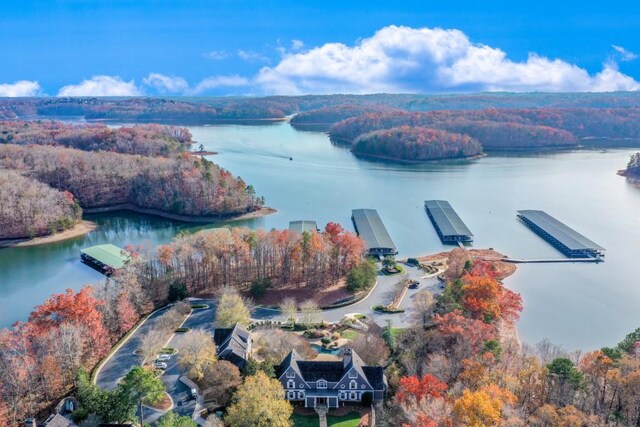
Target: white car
163 358
160 365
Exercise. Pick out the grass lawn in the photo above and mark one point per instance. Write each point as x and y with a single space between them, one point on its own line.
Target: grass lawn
349 334
396 332
305 421
349 420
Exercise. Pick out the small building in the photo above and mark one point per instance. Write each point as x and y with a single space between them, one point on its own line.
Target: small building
105 258
447 223
561 236
331 383
370 228
302 226
233 344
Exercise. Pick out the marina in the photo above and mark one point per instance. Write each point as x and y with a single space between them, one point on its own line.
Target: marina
447 223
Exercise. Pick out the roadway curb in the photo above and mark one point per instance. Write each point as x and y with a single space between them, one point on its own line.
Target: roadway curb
123 341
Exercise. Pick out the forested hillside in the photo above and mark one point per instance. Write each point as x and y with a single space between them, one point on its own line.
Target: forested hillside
184 185
31 208
415 144
147 140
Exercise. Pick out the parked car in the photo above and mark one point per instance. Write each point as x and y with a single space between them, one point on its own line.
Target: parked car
163 358
414 284
160 365
194 393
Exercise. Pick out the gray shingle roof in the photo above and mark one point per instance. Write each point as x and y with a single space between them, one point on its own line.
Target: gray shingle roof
561 232
447 219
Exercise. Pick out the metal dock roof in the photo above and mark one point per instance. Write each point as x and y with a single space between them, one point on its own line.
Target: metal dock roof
302 226
108 254
564 234
371 229
446 219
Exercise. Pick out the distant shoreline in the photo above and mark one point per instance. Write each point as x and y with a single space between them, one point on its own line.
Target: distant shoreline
80 229
178 217
415 162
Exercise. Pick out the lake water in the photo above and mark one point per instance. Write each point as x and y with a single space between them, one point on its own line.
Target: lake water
578 305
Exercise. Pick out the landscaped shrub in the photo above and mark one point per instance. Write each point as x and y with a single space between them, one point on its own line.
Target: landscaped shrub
325 340
181 330
177 291
335 336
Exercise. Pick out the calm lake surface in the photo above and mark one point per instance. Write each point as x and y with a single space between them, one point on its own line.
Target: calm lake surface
582 306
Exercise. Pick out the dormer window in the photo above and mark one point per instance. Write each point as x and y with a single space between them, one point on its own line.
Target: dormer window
321 384
353 374
291 384
353 385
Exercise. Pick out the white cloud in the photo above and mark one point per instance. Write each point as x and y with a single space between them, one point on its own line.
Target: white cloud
101 86
403 59
20 88
216 82
166 84
297 44
625 55
216 55
251 56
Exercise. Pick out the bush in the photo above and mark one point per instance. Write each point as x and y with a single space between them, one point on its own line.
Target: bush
325 340
335 336
177 292
260 286
386 309
199 306
414 262
362 276
367 398
79 415
181 330
168 350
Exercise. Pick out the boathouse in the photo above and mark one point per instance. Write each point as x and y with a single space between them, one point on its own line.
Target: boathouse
105 258
447 223
562 237
370 228
302 226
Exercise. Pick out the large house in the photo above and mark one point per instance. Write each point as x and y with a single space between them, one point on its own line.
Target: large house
331 383
233 344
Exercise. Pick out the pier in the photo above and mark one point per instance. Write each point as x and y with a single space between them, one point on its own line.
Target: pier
370 228
447 223
562 237
550 260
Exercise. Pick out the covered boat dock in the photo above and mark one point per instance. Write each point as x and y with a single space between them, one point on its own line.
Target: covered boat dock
562 237
447 223
302 226
105 258
370 228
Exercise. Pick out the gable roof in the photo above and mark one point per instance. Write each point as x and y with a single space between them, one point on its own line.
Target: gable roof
232 344
314 370
58 420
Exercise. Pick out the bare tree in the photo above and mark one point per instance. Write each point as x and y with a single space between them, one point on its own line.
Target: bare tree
231 309
310 313
455 265
371 348
152 342
423 304
220 380
289 309
274 344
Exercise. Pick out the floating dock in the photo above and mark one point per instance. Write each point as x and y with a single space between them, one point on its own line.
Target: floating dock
105 258
302 226
447 223
562 237
370 228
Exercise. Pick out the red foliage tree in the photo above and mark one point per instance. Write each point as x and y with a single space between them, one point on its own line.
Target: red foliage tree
420 388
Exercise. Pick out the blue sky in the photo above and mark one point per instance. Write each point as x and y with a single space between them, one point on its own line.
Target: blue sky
96 47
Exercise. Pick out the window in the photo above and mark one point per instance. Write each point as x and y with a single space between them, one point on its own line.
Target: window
341 385
301 395
352 395
362 386
353 384
343 395
290 395
353 374
291 384
321 384
300 385
291 374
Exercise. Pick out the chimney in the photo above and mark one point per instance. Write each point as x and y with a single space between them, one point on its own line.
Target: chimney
346 361
30 422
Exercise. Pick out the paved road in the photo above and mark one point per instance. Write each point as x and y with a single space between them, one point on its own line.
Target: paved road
124 359
381 294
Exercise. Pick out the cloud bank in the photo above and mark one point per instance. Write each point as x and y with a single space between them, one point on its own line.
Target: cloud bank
101 86
403 59
20 88
166 84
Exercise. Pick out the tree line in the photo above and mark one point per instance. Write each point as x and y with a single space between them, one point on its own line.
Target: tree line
459 365
146 140
415 144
